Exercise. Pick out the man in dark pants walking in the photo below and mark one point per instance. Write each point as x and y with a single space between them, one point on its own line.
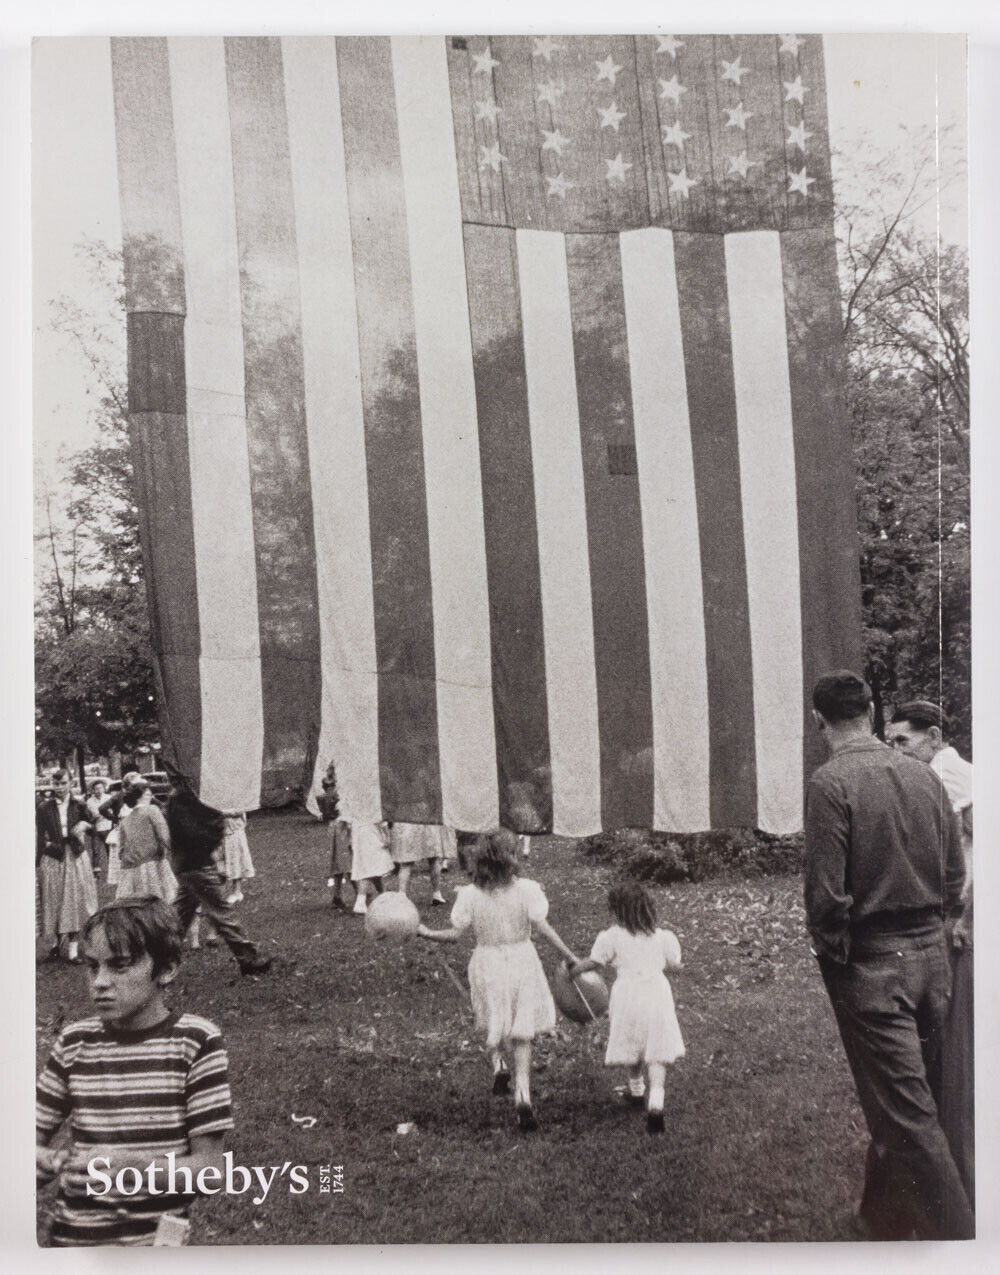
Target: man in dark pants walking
196 831
883 871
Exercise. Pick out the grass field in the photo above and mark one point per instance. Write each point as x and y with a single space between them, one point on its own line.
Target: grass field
764 1138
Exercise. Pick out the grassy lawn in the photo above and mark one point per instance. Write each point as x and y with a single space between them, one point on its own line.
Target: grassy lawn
764 1138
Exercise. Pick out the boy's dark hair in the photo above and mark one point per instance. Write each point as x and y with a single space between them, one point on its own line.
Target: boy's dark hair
495 861
140 925
632 906
841 696
921 713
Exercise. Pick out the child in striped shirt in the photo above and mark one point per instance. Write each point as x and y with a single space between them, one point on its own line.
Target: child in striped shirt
135 1082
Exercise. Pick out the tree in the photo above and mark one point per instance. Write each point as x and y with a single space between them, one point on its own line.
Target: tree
906 328
93 669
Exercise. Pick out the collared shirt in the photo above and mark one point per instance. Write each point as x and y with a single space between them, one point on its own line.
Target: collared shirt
63 808
882 845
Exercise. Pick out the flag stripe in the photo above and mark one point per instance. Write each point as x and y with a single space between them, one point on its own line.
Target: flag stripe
154 292
450 434
335 423
220 473
562 532
701 279
614 530
404 623
276 429
671 545
517 639
824 467
770 523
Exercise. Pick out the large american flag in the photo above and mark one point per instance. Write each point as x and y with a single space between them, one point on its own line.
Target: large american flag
487 406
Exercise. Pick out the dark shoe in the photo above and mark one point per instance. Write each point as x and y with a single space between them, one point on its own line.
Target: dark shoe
634 1099
501 1081
50 957
259 965
526 1121
338 902
654 1122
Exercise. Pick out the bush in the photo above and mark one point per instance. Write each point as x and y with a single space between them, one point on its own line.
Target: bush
663 857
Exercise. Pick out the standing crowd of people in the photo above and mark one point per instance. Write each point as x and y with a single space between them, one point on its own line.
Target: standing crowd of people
888 893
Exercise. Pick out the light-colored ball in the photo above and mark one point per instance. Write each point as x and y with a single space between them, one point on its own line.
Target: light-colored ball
391 916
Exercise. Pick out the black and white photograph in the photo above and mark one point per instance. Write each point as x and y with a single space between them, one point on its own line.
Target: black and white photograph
503 625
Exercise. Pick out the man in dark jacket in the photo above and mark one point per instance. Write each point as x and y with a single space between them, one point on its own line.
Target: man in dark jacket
196 832
883 872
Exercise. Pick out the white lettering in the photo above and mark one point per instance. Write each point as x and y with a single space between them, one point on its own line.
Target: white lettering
94 1172
202 1179
172 1175
136 1180
246 1176
298 1179
265 1181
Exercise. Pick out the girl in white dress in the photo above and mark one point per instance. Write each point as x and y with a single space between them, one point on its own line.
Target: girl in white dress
510 995
644 1033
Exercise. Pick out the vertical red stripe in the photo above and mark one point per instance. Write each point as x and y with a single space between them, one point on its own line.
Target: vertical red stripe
830 579
276 426
516 634
404 625
614 530
701 286
154 285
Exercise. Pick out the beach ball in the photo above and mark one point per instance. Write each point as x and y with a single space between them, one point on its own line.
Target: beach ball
391 916
581 999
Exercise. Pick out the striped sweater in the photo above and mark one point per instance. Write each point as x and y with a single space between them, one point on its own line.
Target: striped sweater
151 1091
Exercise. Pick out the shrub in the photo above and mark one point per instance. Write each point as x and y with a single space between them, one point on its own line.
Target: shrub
663 857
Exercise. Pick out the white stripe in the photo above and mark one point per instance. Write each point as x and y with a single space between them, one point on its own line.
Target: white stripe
231 703
770 520
335 426
671 548
450 436
567 611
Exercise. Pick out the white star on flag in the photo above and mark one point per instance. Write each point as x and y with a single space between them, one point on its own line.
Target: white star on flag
799 182
490 157
790 43
617 168
737 116
484 62
681 183
740 164
607 70
674 135
554 141
797 135
671 89
487 111
549 92
545 47
611 116
669 44
733 71
795 90
559 185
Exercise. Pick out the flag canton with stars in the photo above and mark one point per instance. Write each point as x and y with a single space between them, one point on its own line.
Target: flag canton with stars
711 133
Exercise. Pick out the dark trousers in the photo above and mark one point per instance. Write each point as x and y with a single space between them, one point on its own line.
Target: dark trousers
206 887
891 1001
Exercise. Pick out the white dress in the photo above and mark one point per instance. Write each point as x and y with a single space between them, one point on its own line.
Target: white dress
510 995
369 856
237 864
643 1021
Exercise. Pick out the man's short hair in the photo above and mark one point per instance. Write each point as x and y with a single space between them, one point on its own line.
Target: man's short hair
921 713
841 696
140 925
59 776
